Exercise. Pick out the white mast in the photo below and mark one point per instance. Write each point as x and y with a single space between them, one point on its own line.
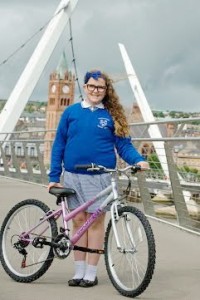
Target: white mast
146 112
33 70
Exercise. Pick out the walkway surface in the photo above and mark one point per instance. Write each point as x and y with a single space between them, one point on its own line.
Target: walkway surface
177 274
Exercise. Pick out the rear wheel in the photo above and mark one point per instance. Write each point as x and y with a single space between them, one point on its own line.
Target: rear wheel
131 267
20 259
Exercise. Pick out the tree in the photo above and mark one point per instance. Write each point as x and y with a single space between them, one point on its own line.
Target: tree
172 114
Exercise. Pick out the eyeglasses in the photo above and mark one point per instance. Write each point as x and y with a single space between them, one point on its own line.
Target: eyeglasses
92 88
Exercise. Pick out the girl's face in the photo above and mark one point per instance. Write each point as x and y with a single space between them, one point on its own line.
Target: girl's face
95 90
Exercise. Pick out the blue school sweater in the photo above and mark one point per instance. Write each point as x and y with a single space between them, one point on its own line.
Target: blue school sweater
85 136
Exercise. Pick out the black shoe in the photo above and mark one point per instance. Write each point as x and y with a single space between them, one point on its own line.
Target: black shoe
74 282
88 283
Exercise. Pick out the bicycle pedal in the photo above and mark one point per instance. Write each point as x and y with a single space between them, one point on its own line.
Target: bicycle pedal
38 242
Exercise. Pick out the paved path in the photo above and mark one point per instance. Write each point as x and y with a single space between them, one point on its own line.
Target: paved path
177 274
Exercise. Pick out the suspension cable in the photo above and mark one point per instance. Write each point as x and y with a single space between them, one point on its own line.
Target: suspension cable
36 33
31 37
74 60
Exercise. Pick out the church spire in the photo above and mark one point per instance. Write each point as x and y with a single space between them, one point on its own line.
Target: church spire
62 66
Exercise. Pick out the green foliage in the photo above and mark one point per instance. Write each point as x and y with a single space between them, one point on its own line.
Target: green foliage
33 106
187 169
2 103
1 106
158 114
189 173
173 114
154 162
29 108
195 122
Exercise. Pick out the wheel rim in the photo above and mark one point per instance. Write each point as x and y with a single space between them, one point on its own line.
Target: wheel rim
19 222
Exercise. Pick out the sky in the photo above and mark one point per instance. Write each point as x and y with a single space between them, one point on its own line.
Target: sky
161 38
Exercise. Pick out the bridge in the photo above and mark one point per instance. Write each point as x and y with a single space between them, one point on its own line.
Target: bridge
176 274
171 204
169 194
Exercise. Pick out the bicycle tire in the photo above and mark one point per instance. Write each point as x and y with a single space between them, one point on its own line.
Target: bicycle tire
131 269
22 217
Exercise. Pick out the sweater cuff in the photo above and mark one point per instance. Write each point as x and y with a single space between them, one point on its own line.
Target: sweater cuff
54 179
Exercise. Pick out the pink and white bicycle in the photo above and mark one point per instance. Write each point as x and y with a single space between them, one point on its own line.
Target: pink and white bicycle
29 238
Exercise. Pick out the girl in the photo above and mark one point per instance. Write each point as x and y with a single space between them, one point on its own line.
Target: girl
91 132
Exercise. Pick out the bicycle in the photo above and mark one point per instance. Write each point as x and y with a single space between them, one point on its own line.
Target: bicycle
29 238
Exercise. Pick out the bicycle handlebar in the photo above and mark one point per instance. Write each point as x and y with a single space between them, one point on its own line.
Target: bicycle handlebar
94 167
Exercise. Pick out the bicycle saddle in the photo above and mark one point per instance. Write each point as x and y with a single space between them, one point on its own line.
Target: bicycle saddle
61 191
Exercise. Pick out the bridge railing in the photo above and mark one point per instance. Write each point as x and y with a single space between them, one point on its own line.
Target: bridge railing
169 191
22 155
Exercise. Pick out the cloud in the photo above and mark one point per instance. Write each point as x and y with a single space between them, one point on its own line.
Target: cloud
160 36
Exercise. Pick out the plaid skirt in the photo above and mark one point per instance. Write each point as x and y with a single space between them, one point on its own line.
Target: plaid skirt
86 187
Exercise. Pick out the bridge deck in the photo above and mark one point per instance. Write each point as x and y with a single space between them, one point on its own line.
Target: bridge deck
177 273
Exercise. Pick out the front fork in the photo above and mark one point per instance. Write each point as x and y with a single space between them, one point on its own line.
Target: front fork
114 219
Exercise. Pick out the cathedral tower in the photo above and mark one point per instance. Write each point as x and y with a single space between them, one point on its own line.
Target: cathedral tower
60 95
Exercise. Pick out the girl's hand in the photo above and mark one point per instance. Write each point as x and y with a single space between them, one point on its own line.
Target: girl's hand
55 184
143 164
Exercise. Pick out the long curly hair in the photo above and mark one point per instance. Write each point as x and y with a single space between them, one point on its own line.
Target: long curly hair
112 104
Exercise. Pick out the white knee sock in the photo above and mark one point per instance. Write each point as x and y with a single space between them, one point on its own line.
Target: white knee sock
91 272
79 269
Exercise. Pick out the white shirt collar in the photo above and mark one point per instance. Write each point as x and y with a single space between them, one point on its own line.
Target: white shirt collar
86 104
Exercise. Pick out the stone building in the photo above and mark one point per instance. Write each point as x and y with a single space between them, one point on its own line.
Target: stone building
135 116
60 95
189 156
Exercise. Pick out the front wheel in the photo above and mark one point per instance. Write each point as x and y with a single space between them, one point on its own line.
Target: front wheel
20 259
130 267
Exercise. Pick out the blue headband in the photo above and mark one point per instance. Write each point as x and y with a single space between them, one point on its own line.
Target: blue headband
96 75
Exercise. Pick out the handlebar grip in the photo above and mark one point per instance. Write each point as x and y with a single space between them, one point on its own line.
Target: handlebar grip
84 167
138 168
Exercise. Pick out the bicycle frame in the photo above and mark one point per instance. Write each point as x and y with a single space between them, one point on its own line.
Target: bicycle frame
112 195
129 244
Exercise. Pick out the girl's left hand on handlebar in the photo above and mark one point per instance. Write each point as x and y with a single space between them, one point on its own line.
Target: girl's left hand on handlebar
143 164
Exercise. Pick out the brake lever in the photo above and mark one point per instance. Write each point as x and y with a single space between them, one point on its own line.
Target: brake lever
135 169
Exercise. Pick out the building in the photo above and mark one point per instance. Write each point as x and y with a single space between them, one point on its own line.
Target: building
135 116
60 95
